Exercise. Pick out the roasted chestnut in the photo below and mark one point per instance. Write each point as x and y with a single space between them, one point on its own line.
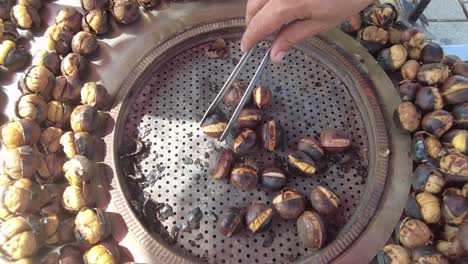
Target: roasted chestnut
335 141
221 163
352 24
245 141
69 18
20 237
79 170
465 190
458 139
71 254
424 206
373 38
259 217
434 73
450 60
454 206
78 143
38 80
16 59
73 65
452 250
429 99
231 221
409 70
300 163
50 59
413 38
5 48
104 253
393 254
244 176
460 115
21 162
66 90
149 4
96 22
125 11
50 168
460 68
455 89
92 225
437 122
324 200
84 118
20 197
455 167
271 135
50 224
37 4
235 93
273 178
5 8
311 147
58 39
31 106
396 31
84 43
89 5
58 113
462 235
76 198
249 118
25 17
414 53
19 133
418 147
427 179
311 230
432 53
289 204
412 233
262 97
214 125
380 15
50 139
408 90
391 59
434 147
428 255
10 32
94 95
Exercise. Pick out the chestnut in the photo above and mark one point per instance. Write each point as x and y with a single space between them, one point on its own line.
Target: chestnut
452 250
462 235
38 80
10 32
311 147
427 179
455 89
66 90
393 254
96 22
50 139
58 39
465 190
5 48
460 115
249 118
69 18
289 204
84 43
76 198
414 53
335 140
352 24
125 11
413 38
231 221
262 97
454 206
455 167
273 178
461 69
437 123
104 253
301 164
94 94
244 176
434 73
73 65
418 147
58 113
16 59
221 163
70 253
311 230
25 17
149 4
50 59
234 94
396 30
50 168
412 233
408 90
434 147
31 106
373 38
424 206
79 170
450 232
450 60
214 125
259 217
5 8
380 15
92 225
271 135
77 143
89 5
84 118
245 141
432 53
20 237
324 200
429 99
427 254
391 59
409 70
458 139
218 49
19 133
21 162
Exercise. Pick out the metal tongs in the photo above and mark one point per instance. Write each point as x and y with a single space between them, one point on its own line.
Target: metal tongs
247 94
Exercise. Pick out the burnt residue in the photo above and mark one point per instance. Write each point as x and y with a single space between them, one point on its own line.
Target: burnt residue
192 221
192 243
157 211
269 239
168 237
213 216
187 160
152 177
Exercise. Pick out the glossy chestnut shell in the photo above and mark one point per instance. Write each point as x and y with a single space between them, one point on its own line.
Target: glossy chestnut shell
271 135
460 68
245 176
311 230
50 59
289 204
408 90
427 179
221 163
125 11
69 18
381 15
391 59
324 200
311 147
335 140
455 89
455 167
429 99
432 53
262 97
32 106
66 90
245 141
214 125
301 164
454 206
235 93
96 22
231 221
424 206
259 217
457 139
460 115
84 43
437 122
273 178
249 118
412 233
393 254
84 118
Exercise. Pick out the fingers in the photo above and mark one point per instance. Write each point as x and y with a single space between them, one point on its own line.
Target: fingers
253 6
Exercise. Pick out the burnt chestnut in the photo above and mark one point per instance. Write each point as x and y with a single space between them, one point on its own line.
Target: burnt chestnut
89 5
51 168
16 59
381 15
452 250
259 217
50 59
245 141
455 89
460 68
393 254
432 53
66 90
457 139
231 221
412 233
69 18
429 99
50 139
289 204
301 164
244 176
58 39
214 125
84 118
273 178
235 93
76 198
262 97
25 17
335 140
391 59
94 94
73 65
32 106
102 253
84 43
271 135
352 24
58 113
437 122
77 143
414 53
19 133
311 147
455 167
428 255
450 60
454 206
38 80
427 179
5 8
409 70
218 49
79 170
413 38
373 38
434 73
424 206
460 115
149 4
249 118
21 162
221 163
311 230
96 22
125 11
324 200
92 225
408 90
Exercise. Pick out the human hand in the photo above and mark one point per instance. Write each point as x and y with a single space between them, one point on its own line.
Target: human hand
305 18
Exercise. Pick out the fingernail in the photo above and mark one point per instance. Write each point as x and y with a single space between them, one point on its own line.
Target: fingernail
278 57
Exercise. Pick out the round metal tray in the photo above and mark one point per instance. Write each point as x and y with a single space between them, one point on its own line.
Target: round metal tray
321 85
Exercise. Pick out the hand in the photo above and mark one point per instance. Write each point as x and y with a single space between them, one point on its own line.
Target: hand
305 18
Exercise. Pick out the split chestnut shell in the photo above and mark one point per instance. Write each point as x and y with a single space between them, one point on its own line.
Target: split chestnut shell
221 163
311 230
259 217
231 221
